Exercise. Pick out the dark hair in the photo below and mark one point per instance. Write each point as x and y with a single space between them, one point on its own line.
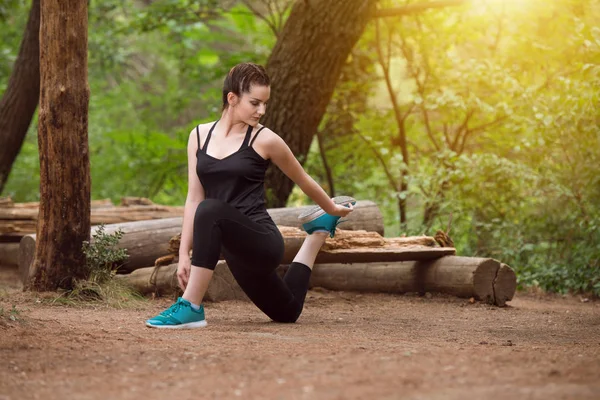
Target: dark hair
240 77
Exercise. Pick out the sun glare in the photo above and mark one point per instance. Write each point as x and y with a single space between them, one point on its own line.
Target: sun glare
500 6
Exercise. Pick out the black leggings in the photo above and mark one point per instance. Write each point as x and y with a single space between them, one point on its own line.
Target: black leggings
252 251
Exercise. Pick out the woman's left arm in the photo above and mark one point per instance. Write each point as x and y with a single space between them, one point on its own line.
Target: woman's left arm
281 155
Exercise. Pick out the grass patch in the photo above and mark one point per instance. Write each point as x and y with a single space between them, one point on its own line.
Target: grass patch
111 293
103 258
10 316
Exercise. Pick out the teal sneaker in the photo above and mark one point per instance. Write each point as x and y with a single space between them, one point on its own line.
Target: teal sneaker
315 219
180 315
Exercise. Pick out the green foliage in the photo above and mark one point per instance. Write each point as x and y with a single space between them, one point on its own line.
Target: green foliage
155 72
13 17
522 186
102 255
507 156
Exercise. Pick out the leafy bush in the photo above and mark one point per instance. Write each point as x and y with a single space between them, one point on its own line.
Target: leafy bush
102 255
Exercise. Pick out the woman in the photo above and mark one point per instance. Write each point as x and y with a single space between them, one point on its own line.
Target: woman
225 209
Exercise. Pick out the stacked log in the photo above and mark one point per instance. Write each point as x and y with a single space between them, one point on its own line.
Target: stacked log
357 260
366 216
162 280
365 262
465 277
148 240
9 254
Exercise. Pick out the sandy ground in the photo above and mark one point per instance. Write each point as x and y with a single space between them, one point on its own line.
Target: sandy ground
345 346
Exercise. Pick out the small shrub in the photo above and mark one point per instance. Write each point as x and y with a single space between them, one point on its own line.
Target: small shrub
103 258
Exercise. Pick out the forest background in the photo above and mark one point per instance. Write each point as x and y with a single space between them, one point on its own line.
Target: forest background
482 119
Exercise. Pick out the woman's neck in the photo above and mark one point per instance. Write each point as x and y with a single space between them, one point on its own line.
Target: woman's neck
229 124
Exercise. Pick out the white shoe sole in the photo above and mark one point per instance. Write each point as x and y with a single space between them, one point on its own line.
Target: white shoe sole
189 325
316 211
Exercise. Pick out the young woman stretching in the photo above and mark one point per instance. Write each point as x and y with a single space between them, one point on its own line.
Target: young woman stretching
225 210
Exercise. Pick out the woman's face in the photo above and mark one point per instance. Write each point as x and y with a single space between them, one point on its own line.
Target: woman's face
251 106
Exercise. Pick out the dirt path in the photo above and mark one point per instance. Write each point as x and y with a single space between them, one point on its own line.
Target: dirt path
345 346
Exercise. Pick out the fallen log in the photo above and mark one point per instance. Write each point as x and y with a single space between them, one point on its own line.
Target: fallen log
148 240
163 281
9 254
7 202
19 220
458 276
464 277
366 216
145 241
355 246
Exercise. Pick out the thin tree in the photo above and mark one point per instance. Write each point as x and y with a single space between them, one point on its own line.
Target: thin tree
20 99
64 218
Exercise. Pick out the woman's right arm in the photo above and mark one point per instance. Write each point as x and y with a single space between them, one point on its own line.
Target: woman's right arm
194 196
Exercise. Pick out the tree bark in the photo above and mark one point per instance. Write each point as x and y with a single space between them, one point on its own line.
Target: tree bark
20 100
304 67
64 218
326 167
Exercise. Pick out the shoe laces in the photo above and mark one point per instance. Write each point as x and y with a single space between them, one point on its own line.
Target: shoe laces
332 231
172 310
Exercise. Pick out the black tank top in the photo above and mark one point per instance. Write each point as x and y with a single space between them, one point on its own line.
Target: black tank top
237 179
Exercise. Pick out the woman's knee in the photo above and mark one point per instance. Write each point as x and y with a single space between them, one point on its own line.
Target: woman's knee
288 317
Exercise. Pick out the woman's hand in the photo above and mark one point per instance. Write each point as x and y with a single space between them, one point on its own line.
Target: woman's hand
183 271
341 211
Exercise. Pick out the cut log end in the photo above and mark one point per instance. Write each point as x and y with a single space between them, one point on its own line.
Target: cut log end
505 285
483 280
26 257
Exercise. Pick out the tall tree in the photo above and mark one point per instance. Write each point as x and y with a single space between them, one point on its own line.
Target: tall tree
20 99
304 67
64 218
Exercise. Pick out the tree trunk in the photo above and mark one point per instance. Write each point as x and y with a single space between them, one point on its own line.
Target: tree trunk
22 94
304 68
326 167
64 217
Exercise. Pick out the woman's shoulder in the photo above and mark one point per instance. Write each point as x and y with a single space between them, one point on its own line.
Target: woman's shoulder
201 128
267 135
200 131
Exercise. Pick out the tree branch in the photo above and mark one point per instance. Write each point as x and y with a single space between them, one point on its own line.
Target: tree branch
417 8
262 16
462 127
446 137
388 174
478 128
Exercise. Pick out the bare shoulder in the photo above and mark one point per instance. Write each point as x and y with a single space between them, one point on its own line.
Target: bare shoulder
268 143
269 138
202 131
